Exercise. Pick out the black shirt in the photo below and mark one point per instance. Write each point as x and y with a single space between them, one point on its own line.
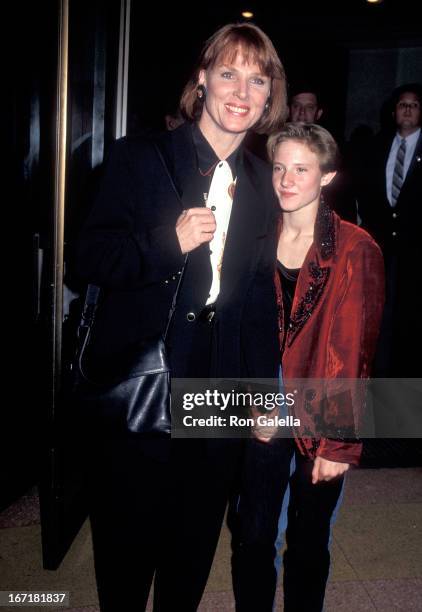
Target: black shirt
189 343
288 279
197 187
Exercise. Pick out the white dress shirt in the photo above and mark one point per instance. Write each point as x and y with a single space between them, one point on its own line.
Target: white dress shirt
220 199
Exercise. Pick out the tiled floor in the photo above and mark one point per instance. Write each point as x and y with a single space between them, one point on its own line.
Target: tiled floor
376 551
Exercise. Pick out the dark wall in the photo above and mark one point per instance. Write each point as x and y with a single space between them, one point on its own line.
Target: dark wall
312 41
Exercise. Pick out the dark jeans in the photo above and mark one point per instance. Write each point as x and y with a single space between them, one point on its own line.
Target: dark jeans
264 480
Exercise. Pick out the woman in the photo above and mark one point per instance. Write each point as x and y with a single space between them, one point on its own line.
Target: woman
158 508
330 289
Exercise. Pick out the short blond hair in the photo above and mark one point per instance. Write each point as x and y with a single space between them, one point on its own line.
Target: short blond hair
318 139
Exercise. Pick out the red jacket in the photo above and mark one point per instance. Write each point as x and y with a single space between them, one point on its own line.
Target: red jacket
335 320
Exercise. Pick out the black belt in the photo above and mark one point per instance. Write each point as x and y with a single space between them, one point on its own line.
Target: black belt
207 314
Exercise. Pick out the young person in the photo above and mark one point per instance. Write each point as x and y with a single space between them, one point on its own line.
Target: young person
330 285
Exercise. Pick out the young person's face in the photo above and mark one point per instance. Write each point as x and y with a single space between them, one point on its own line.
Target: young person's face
297 176
236 94
304 107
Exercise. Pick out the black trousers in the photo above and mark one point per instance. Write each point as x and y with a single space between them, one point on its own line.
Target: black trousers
203 475
264 479
163 517
157 508
130 501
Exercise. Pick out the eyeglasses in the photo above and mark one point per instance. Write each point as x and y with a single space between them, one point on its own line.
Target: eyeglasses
410 105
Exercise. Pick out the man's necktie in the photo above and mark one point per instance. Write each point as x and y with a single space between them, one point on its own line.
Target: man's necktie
398 172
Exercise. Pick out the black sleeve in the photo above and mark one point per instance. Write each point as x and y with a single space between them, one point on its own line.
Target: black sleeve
260 344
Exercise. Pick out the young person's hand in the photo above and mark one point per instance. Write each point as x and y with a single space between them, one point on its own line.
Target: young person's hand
325 470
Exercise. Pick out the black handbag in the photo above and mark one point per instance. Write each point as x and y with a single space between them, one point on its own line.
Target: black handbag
137 397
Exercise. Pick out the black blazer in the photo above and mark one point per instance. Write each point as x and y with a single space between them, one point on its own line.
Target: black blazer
397 230
130 248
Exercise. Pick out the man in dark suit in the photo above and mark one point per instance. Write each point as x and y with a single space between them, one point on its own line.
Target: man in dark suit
158 507
390 206
306 105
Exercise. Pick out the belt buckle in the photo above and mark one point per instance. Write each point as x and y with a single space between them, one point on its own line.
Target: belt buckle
207 314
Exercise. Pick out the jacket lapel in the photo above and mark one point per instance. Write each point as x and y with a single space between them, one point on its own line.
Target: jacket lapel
249 219
248 223
178 151
414 164
315 272
417 156
311 283
381 174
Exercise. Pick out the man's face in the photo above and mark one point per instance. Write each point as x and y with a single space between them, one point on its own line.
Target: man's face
407 113
304 107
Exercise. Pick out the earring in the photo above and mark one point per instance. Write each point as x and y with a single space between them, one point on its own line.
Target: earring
201 91
267 104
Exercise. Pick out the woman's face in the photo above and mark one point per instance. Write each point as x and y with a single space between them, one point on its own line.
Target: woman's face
297 176
236 96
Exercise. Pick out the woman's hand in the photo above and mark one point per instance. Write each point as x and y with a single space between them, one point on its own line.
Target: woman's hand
264 433
327 470
194 227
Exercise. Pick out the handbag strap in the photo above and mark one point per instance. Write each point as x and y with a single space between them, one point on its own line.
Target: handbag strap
92 296
89 310
174 301
181 273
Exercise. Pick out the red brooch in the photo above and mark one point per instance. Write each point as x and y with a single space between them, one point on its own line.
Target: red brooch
231 189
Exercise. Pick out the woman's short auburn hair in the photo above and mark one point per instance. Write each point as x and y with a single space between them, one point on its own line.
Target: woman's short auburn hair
256 47
315 137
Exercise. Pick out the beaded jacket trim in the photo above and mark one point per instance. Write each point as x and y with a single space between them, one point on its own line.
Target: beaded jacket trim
325 244
309 301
